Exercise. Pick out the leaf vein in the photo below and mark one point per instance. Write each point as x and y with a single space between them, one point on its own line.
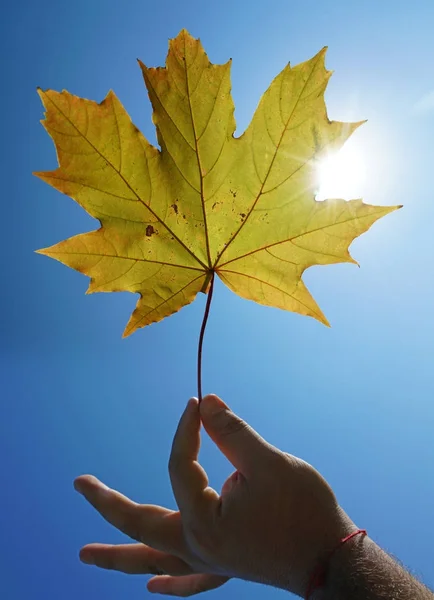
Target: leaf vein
167 113
269 169
135 193
291 239
262 282
137 324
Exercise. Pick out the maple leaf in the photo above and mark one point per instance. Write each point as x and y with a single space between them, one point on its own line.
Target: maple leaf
206 203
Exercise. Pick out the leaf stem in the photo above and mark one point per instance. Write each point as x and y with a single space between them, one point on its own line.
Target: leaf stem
201 335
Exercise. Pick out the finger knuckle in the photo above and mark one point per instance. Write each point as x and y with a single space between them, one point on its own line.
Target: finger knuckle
130 525
284 464
133 531
108 562
229 426
175 461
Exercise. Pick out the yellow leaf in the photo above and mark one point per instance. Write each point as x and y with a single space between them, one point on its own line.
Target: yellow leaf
207 202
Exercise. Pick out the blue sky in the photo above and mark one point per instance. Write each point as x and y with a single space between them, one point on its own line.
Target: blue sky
356 400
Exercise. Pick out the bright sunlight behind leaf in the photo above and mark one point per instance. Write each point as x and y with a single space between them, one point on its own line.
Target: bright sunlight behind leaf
207 203
341 174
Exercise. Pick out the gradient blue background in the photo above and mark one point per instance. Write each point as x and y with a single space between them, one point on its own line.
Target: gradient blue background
357 400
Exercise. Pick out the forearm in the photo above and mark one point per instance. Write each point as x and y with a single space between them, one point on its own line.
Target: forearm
360 570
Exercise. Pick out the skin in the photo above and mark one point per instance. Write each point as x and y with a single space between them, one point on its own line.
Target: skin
274 522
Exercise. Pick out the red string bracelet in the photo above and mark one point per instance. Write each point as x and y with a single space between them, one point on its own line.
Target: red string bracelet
318 577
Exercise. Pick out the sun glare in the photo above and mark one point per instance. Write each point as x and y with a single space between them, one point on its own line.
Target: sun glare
341 175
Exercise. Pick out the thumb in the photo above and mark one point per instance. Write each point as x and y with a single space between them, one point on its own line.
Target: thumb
241 445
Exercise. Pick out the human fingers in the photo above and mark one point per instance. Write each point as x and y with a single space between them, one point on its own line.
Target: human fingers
241 445
154 525
133 559
188 585
189 480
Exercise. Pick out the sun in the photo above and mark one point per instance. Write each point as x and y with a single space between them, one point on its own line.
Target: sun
341 175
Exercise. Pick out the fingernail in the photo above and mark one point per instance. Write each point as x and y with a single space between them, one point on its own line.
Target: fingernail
192 402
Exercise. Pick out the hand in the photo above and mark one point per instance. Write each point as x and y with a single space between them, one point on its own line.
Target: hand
275 518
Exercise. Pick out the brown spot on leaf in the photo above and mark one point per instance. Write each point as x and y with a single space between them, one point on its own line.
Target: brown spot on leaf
243 216
149 230
174 208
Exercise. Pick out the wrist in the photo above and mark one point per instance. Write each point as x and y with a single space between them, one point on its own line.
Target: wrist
361 570
343 564
337 566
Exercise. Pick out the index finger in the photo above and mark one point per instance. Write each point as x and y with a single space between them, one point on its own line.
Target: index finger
159 527
194 497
